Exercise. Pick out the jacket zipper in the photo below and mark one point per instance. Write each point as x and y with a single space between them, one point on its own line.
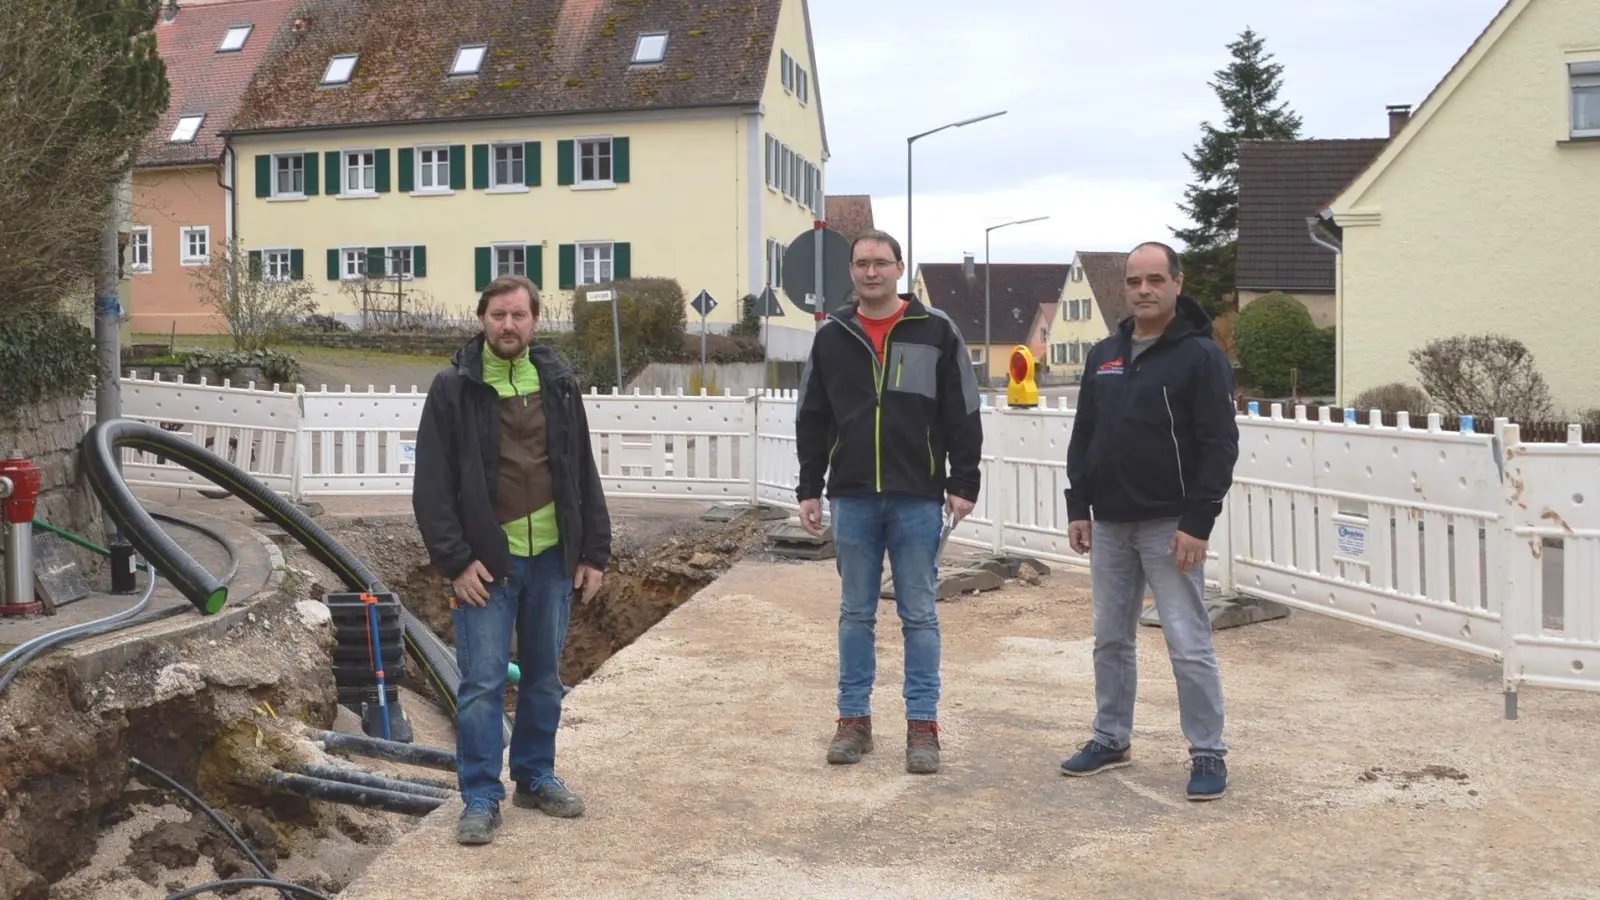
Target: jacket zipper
1172 426
880 370
928 435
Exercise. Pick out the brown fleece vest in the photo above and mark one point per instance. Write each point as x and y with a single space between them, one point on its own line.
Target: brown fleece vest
526 485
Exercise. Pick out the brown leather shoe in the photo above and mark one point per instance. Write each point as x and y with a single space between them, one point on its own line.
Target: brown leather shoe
851 741
922 746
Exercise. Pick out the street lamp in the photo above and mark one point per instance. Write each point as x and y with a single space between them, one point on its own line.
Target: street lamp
987 270
911 269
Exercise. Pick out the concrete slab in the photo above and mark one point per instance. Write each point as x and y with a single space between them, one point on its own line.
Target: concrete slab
1363 764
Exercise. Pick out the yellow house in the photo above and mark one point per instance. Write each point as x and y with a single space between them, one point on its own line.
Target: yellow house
1091 306
1483 213
441 143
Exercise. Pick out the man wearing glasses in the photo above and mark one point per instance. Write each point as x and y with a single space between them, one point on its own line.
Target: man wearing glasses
888 411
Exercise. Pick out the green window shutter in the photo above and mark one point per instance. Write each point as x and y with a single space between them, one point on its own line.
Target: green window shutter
621 262
483 260
375 262
419 261
619 160
255 265
532 168
380 170
263 175
333 265
480 166
332 172
408 170
297 264
458 167
311 174
534 254
568 264
565 164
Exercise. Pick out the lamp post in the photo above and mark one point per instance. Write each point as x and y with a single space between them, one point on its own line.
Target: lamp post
911 269
987 269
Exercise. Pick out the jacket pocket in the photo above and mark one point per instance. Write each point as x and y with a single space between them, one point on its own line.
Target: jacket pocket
913 369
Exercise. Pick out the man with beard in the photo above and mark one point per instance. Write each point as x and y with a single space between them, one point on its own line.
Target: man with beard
509 503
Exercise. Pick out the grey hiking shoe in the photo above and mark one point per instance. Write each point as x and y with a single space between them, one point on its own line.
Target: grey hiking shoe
851 741
478 823
922 746
550 797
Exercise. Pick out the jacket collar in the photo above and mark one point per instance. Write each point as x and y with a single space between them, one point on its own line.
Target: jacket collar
1190 321
849 315
468 360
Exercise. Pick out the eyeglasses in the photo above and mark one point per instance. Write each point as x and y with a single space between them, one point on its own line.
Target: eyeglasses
866 264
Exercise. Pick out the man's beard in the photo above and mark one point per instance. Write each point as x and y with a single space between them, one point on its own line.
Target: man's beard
508 347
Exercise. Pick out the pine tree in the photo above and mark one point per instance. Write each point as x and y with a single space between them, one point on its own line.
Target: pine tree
1248 90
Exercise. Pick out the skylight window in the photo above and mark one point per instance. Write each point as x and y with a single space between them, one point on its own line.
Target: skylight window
468 59
188 126
339 69
235 38
652 48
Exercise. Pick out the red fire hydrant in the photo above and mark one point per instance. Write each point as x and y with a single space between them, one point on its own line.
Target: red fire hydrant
20 482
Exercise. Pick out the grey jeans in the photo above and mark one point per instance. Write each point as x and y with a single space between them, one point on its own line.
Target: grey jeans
1123 556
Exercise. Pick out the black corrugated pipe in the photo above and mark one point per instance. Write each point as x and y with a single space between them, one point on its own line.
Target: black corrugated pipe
378 748
352 794
367 779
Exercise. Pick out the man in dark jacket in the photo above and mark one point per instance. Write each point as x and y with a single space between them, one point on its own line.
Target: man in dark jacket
1151 456
888 396
510 506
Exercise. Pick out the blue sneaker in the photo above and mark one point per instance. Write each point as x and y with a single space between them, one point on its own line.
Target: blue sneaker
479 821
1208 779
1096 757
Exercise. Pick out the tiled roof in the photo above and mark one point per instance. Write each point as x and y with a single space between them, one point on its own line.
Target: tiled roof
1280 183
544 57
849 214
203 80
1015 292
1105 272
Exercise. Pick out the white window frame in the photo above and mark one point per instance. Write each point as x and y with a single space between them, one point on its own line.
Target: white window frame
370 169
393 252
775 252
352 263
584 250
638 49
976 355
338 72
1582 77
298 163
802 85
223 47
185 233
135 244
463 53
495 270
578 148
774 153
267 256
787 66
182 135
494 166
785 171
440 164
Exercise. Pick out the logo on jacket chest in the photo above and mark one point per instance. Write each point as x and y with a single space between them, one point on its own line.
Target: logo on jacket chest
1110 367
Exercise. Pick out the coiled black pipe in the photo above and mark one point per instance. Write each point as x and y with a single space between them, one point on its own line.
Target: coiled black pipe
98 452
352 794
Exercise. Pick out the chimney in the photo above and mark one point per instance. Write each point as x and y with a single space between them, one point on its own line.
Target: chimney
969 266
1399 114
172 10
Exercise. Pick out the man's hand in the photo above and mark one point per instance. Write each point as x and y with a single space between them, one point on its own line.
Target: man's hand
958 507
811 516
587 580
1190 551
1078 535
469 585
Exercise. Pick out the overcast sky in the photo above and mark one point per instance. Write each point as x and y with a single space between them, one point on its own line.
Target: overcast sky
1102 99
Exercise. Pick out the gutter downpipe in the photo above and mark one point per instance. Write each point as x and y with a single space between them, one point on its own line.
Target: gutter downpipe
1321 237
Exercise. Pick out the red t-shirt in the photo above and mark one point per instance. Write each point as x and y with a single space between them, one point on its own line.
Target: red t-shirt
878 329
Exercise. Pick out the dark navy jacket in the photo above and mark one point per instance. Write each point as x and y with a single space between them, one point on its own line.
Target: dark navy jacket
1155 438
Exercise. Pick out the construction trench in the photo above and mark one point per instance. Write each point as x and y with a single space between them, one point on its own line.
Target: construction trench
117 749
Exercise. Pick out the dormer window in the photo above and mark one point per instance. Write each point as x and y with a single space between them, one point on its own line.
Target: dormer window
235 38
187 127
469 59
651 49
340 69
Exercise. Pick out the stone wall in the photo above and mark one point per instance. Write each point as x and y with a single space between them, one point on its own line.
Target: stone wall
392 342
48 433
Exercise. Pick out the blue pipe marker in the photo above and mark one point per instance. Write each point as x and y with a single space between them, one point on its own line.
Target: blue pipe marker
375 648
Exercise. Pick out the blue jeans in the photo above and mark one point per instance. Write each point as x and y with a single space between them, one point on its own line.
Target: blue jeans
908 528
535 600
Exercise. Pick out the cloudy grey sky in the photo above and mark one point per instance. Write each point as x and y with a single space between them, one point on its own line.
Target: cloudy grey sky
1103 100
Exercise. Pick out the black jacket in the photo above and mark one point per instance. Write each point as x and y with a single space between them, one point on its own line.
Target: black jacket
458 460
891 428
1155 438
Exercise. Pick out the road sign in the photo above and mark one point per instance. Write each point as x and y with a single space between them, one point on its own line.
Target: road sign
703 303
600 296
800 270
767 304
